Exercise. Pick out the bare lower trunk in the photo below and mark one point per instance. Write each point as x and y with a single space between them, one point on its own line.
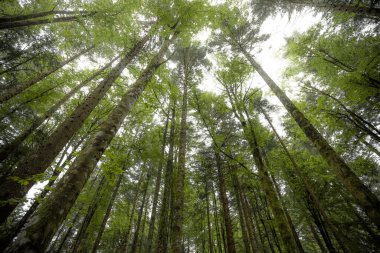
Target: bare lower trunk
37 234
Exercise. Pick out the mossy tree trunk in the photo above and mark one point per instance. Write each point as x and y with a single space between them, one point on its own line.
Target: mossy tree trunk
37 234
39 161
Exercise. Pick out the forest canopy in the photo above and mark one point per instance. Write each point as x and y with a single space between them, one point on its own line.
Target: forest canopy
190 126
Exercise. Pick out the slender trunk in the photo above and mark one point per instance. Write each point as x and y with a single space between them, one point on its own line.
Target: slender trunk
37 162
162 234
250 217
44 223
14 18
291 225
157 189
180 175
143 239
224 201
81 234
107 214
23 23
216 218
18 88
316 238
362 195
243 224
13 146
125 239
210 241
140 214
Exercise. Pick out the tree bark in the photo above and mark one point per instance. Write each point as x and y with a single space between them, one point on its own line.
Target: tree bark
291 225
224 201
18 88
125 239
362 195
210 240
42 226
162 234
243 224
13 146
180 175
38 161
81 234
157 189
140 214
107 214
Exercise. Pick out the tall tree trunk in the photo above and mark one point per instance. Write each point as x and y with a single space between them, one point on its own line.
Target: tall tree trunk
76 218
162 234
224 201
44 223
251 219
157 188
125 238
81 234
180 175
316 238
23 23
37 162
287 237
13 146
210 240
291 225
363 196
140 214
243 224
18 88
216 223
107 214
